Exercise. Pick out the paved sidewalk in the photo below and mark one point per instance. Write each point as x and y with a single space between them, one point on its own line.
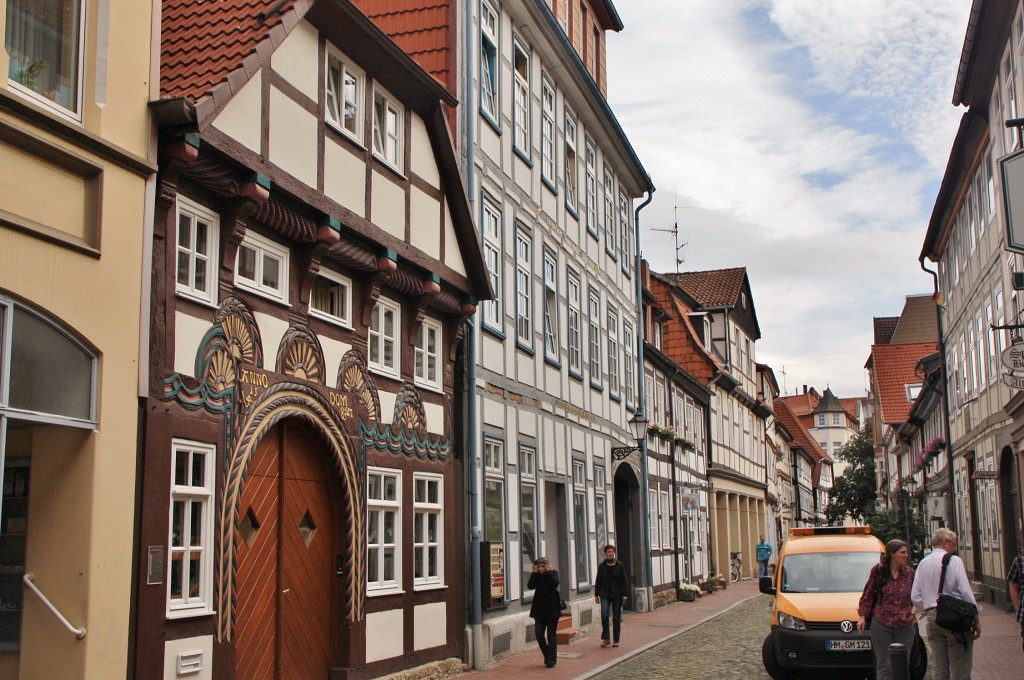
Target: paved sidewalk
585 658
997 654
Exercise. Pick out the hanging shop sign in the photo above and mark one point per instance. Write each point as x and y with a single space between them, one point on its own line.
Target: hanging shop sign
1013 357
1014 381
1012 170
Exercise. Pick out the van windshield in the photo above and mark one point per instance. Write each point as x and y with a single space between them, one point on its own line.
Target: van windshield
839 572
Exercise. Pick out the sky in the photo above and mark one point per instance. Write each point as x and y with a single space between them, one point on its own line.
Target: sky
802 139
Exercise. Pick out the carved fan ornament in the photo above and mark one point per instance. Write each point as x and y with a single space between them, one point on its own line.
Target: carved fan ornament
239 338
220 373
300 355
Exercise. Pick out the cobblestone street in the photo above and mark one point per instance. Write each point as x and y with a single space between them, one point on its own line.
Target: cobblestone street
728 646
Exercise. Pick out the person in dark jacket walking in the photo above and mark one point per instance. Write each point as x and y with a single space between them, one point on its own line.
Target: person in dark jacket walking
611 588
546 608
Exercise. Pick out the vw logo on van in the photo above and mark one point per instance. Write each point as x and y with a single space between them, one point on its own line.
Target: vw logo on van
846 626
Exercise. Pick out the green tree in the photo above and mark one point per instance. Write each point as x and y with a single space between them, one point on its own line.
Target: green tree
853 493
902 523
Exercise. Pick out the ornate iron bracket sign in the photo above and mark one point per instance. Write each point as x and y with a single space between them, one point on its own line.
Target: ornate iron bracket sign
621 452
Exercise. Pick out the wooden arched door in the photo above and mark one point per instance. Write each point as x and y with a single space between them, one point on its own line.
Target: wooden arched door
286 589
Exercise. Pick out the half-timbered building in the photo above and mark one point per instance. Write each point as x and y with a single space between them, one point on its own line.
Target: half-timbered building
314 262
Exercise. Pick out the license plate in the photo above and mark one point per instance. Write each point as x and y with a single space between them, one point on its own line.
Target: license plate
847 645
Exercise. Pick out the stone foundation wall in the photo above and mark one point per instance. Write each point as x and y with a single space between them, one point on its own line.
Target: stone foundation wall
435 670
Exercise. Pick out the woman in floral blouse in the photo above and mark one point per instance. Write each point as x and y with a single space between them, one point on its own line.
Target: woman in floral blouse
886 599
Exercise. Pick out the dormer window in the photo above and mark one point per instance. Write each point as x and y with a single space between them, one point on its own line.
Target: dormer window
913 391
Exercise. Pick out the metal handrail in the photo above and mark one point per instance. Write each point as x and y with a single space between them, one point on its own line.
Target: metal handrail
79 632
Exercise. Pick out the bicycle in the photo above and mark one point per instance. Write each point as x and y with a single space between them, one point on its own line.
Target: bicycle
736 567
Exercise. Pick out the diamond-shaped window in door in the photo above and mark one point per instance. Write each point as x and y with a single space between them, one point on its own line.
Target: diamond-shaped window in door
307 527
249 527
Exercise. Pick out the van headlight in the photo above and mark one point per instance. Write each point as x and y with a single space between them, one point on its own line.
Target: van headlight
791 622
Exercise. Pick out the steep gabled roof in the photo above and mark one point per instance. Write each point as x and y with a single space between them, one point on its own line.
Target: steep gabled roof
894 370
828 403
802 439
211 48
712 288
681 342
885 326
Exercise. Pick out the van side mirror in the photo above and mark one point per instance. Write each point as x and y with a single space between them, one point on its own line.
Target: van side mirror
765 585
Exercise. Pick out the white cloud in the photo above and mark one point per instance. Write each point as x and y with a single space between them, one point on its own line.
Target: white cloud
806 140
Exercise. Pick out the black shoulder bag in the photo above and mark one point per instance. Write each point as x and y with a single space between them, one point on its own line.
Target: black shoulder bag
952 613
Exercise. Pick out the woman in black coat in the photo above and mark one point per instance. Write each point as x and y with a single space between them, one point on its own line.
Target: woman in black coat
546 608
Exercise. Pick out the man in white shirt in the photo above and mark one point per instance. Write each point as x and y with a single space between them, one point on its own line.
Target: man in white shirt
950 658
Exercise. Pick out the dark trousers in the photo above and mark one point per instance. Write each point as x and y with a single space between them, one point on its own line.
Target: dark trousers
611 609
545 632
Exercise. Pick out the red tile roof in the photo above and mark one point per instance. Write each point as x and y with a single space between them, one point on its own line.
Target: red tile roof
203 42
894 370
803 439
423 28
680 341
712 288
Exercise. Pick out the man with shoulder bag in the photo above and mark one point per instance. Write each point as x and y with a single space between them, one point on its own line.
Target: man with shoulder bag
942 592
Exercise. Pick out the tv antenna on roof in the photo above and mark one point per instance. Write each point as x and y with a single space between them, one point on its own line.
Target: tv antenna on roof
675 234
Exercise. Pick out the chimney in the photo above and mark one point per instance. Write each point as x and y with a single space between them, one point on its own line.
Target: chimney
805 389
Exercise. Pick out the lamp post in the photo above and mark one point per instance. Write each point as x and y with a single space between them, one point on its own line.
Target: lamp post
638 426
904 496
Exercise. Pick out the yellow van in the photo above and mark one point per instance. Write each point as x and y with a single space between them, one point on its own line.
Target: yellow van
817 584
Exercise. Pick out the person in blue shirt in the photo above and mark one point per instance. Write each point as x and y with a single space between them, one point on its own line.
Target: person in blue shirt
764 553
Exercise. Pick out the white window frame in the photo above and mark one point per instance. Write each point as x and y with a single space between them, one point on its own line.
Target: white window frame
520 97
524 283
528 481
551 321
493 257
665 521
346 286
195 213
383 135
336 99
572 176
376 331
629 363
376 584
264 248
547 131
574 322
613 350
421 511
73 114
610 216
625 235
594 323
490 69
581 557
202 603
422 355
591 188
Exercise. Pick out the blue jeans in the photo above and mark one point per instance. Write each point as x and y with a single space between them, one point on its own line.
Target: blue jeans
611 609
762 567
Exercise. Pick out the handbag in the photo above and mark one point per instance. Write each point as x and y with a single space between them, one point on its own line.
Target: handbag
918 656
951 612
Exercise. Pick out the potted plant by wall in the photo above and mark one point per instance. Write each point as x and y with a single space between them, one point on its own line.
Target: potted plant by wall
688 592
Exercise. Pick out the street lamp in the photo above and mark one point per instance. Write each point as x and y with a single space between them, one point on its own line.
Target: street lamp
638 426
904 495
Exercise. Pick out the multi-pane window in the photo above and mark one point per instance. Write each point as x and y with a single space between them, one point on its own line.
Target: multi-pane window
821 420
387 129
331 298
579 511
591 188
990 340
190 576
980 349
610 239
344 96
44 43
613 350
600 506
990 186
551 345
625 233
575 321
629 364
835 419
494 508
196 251
665 521
528 509
383 529
382 343
489 68
1009 100
547 131
491 218
524 316
571 164
427 529
594 319
426 355
520 98
262 267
